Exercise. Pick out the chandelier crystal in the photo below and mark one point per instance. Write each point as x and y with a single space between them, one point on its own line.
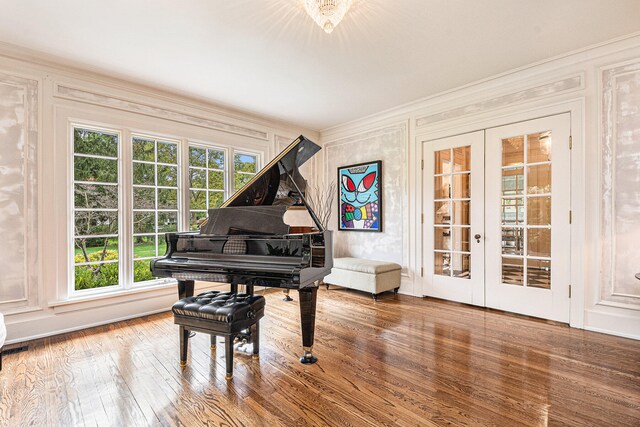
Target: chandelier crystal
327 13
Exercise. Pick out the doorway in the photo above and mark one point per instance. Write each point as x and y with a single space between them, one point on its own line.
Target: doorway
496 217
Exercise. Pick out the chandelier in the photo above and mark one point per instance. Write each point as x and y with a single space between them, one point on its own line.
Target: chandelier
327 13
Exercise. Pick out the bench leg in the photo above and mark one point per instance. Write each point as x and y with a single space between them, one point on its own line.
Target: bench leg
255 339
213 342
184 345
228 354
375 297
395 290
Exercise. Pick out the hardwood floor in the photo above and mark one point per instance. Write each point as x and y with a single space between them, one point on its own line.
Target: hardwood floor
400 361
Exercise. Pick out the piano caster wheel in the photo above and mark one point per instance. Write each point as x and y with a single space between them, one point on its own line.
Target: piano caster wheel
255 356
183 364
308 358
228 376
213 347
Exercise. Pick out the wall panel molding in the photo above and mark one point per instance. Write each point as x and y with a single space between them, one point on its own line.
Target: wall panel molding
96 98
19 263
538 92
620 185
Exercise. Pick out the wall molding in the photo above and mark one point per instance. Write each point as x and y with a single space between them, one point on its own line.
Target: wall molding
538 92
96 98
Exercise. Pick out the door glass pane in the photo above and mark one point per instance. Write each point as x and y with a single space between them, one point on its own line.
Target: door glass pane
461 265
462 159
452 182
539 179
442 187
512 271
442 238
539 273
539 210
462 213
512 241
443 161
462 186
539 242
530 193
539 147
441 262
441 213
461 239
513 151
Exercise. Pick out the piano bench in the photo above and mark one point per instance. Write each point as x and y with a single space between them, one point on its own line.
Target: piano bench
365 275
219 313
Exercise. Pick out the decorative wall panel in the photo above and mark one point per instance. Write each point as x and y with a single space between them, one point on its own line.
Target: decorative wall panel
18 191
620 215
389 145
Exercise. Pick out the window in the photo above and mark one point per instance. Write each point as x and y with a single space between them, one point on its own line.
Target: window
206 182
96 240
155 200
245 167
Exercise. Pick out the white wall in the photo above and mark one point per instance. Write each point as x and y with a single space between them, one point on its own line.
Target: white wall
39 98
600 87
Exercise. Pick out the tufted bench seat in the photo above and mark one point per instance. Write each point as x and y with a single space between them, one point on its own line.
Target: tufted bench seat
364 275
219 313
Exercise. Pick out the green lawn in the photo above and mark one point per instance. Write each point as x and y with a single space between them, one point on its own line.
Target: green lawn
140 250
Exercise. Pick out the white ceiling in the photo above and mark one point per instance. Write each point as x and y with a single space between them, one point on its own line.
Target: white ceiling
268 57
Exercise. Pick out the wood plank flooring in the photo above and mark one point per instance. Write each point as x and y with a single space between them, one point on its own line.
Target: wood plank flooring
401 361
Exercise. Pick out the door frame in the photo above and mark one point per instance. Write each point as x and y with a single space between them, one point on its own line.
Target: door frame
485 120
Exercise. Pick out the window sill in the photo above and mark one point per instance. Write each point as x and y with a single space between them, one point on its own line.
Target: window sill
114 294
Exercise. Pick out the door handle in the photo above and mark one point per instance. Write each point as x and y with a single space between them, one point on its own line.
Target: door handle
477 237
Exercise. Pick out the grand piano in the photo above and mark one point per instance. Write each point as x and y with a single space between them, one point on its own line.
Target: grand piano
246 242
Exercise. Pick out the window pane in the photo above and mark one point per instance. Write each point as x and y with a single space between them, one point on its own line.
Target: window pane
442 187
461 239
144 198
88 223
96 275
462 213
461 265
512 271
441 263
539 210
539 147
240 179
96 196
216 180
462 186
167 152
94 142
94 169
197 178
95 249
195 219
167 221
512 241
197 199
167 176
513 211
216 198
144 222
143 174
141 271
512 182
162 245
216 159
143 150
245 163
144 246
442 213
442 238
513 151
197 157
167 198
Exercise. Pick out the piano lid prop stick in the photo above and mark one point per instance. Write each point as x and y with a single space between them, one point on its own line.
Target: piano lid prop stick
304 201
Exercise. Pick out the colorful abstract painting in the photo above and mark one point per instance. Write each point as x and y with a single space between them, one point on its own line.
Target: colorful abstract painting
360 197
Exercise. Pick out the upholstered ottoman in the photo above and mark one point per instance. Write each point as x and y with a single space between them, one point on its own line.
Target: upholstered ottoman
365 275
219 313
3 336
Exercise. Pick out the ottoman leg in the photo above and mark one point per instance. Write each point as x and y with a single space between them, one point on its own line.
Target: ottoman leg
375 297
395 290
184 345
228 354
255 338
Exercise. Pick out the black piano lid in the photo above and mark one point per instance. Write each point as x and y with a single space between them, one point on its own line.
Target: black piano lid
273 184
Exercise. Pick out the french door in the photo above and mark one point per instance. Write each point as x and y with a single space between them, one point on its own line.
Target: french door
505 243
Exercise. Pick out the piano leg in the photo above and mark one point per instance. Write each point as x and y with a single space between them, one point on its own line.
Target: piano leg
307 297
185 288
